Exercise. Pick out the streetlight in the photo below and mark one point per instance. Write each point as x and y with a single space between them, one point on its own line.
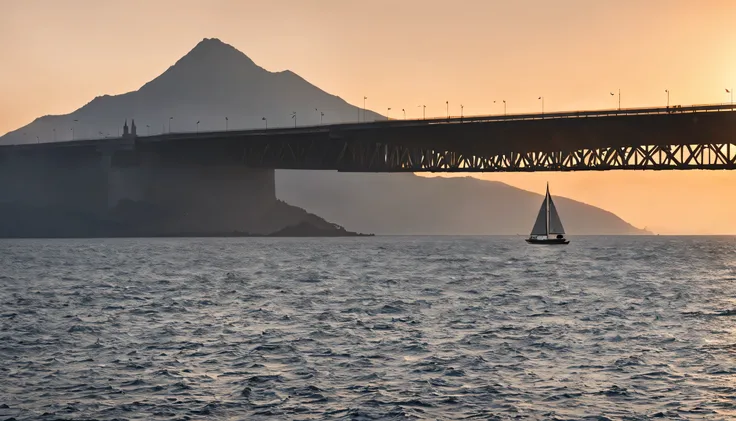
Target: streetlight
619 99
38 140
668 97
197 126
730 91
170 118
75 121
447 103
424 111
387 114
461 110
54 129
266 120
504 107
542 98
364 98
321 115
404 111
148 126
293 115
225 123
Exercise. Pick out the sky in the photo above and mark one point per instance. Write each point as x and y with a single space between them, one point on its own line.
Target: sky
58 55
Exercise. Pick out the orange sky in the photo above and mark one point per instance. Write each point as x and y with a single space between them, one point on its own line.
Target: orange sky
59 55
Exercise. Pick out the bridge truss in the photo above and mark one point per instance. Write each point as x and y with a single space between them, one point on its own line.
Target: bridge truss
378 157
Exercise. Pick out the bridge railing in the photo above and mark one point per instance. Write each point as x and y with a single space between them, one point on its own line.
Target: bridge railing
676 109
572 114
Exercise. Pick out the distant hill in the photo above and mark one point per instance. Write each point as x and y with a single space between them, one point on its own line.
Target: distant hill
410 204
214 81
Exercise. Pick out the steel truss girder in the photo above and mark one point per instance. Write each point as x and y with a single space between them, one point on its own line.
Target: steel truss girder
351 156
392 158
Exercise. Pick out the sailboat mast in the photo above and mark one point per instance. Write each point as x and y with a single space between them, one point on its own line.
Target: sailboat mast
546 205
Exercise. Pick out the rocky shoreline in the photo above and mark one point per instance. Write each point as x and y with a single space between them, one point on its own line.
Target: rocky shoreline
17 221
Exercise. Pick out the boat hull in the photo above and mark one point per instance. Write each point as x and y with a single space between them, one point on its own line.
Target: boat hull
549 241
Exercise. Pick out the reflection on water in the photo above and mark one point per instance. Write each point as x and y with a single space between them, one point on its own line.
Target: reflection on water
367 328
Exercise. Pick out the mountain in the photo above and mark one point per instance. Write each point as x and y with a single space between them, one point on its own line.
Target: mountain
214 81
211 82
410 204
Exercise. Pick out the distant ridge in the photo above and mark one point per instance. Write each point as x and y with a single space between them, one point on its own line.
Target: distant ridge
215 80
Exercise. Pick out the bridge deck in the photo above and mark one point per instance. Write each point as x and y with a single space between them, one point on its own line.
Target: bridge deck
701 136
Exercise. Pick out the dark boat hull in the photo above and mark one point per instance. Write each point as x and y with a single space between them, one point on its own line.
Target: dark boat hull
550 241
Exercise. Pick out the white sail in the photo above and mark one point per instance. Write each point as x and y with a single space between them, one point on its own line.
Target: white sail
548 221
540 225
555 224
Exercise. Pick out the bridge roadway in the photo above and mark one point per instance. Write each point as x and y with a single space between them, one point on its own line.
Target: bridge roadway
692 137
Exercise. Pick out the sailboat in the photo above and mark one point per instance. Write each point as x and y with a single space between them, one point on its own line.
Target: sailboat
548 227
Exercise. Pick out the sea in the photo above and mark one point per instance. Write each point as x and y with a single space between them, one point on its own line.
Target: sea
380 328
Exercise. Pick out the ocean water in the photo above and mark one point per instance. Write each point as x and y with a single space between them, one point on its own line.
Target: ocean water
368 328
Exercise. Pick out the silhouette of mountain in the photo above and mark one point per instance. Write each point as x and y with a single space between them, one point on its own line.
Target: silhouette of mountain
215 80
410 204
211 82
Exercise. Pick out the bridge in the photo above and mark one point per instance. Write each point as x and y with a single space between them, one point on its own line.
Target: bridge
224 181
673 138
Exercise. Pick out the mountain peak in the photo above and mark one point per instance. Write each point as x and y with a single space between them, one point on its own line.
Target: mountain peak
213 51
211 66
212 45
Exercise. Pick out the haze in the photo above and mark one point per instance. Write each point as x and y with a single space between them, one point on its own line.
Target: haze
60 55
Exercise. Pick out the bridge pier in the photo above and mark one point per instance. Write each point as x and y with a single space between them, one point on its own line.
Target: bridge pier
202 199
134 188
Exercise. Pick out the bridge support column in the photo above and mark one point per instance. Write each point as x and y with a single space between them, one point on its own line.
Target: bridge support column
201 199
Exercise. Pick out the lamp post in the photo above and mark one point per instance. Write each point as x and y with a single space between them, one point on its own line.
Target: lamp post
504 107
170 118
197 126
148 128
542 98
424 111
447 104
266 120
404 111
54 130
75 121
293 115
461 110
321 116
730 91
364 98
619 99
225 123
388 112
668 97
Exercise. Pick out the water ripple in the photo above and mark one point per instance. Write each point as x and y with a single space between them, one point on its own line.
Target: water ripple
368 328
